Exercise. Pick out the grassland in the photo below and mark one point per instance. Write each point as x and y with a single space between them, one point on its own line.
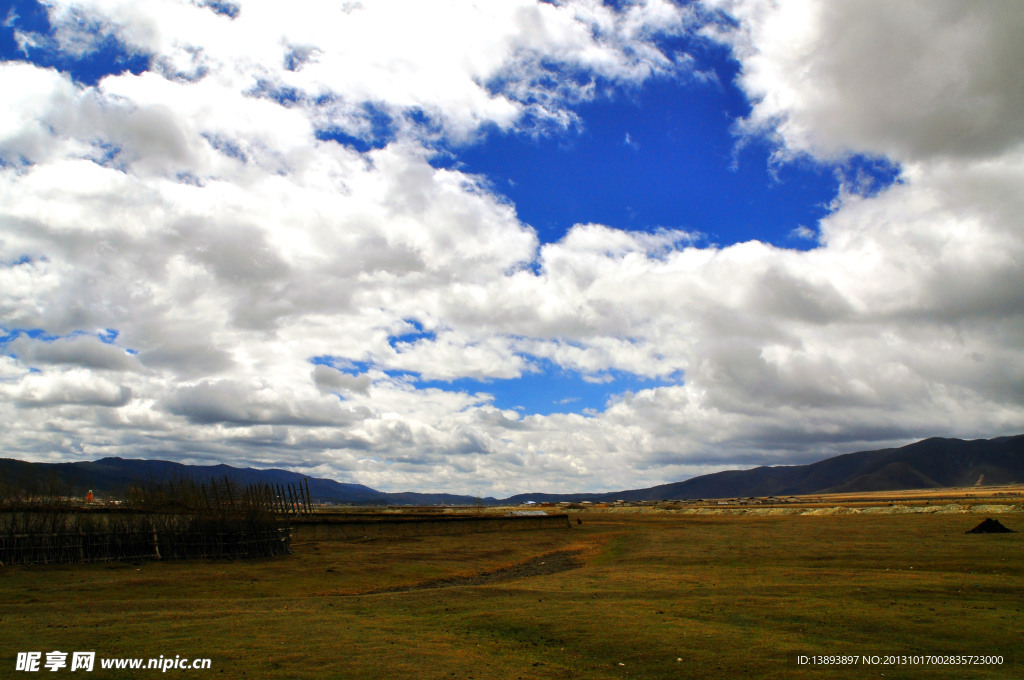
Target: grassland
653 596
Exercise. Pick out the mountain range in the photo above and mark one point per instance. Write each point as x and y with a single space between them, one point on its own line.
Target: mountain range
112 476
928 464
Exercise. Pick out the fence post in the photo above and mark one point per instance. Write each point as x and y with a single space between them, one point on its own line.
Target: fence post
156 542
231 496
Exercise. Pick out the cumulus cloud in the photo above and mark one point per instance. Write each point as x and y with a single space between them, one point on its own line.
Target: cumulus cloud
261 218
81 350
910 80
463 64
34 94
256 403
329 379
40 390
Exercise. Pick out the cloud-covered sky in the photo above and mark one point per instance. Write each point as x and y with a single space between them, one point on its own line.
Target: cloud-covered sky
506 246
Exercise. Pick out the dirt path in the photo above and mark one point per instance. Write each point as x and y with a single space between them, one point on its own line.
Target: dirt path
552 563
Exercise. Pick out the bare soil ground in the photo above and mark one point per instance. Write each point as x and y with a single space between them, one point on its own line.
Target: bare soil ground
542 565
622 596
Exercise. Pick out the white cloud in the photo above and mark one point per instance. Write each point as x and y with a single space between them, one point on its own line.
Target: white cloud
255 402
33 94
328 379
83 350
75 386
914 80
464 64
195 211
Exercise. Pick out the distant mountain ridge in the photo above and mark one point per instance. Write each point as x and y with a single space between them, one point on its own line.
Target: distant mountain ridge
931 463
115 475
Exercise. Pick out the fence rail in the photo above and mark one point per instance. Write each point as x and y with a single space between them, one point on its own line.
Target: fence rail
171 521
142 545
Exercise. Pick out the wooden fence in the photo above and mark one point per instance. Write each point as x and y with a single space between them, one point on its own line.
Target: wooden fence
222 495
179 520
368 525
188 542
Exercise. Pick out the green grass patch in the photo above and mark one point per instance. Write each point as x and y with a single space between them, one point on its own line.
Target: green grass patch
656 597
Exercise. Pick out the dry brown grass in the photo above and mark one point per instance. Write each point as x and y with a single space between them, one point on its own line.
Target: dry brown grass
730 596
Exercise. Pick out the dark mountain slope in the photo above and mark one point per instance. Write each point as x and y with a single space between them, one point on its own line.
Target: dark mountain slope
932 463
112 476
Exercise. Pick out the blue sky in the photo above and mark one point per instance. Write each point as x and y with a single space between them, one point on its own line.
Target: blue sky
664 156
31 16
527 246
